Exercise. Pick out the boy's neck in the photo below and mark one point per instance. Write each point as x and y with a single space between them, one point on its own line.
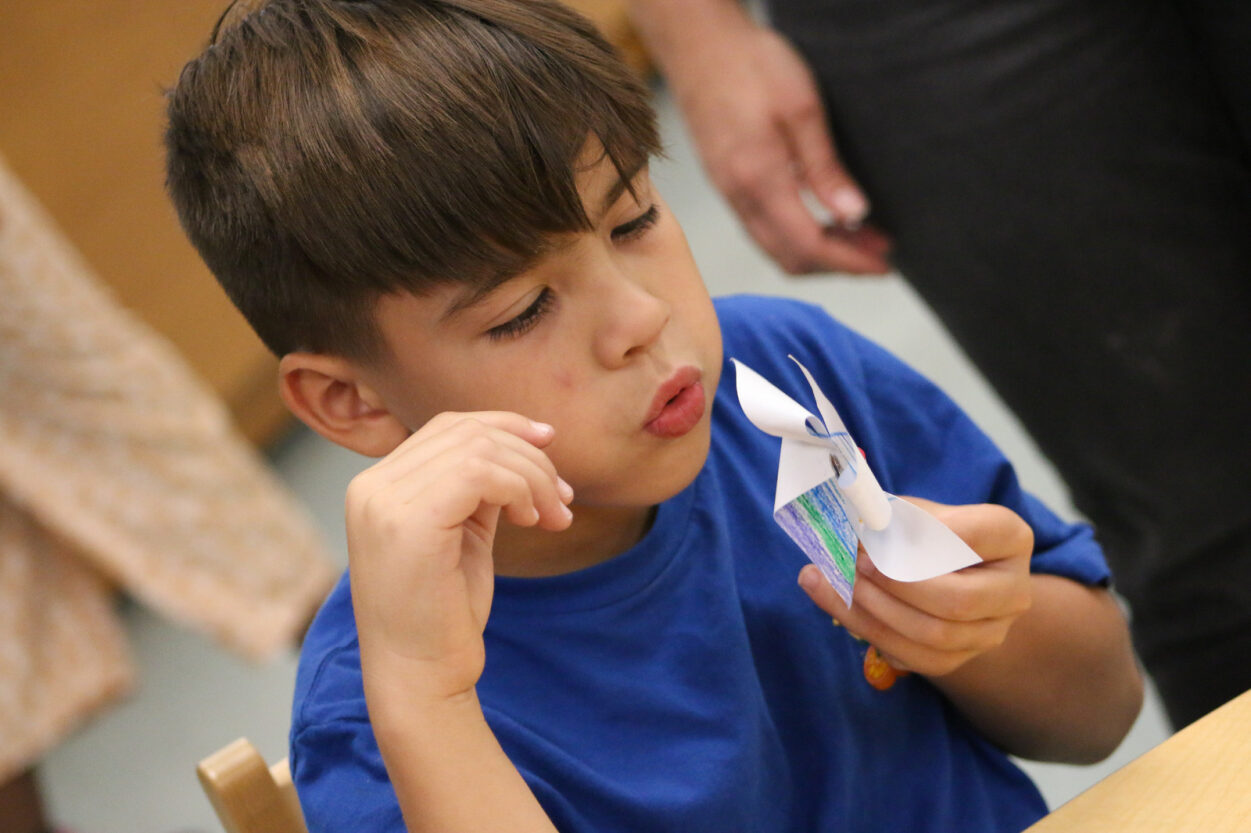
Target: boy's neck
597 534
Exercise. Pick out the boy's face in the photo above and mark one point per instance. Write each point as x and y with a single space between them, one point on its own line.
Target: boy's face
611 338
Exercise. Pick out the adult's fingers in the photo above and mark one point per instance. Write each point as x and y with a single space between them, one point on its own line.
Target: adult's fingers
817 164
777 219
864 238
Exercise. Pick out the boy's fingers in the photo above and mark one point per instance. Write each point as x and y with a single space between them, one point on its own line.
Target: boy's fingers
998 586
538 498
826 597
935 626
545 501
859 622
468 434
536 433
923 628
491 483
425 442
984 591
820 591
458 452
477 481
903 652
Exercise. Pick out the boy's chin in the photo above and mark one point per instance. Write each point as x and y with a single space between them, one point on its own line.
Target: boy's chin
646 480
676 474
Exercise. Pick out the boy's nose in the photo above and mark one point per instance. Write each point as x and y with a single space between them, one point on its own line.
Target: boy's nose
632 319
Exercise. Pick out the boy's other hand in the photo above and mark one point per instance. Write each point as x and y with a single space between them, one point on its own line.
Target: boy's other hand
933 627
421 524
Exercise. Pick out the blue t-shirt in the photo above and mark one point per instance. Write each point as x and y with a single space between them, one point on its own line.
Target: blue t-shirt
689 684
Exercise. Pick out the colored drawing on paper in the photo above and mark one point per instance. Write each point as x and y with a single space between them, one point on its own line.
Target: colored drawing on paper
840 504
817 521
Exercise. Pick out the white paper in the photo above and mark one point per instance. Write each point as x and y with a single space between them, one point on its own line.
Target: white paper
828 499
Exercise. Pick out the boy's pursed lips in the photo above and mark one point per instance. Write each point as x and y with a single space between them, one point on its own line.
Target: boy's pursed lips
678 405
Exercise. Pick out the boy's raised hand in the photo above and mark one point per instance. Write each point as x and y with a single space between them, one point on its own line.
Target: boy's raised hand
421 524
933 627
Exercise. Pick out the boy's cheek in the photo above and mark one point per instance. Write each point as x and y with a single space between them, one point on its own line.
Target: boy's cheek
565 380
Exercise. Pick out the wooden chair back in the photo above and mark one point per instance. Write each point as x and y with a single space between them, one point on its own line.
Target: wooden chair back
248 795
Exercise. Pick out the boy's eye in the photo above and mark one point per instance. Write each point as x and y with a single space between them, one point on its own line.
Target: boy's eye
637 226
526 319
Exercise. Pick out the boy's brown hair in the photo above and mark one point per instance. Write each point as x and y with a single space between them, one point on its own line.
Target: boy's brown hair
322 153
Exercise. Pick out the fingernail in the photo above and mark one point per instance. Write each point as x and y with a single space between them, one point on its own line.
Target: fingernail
808 578
566 512
542 427
851 204
817 209
564 489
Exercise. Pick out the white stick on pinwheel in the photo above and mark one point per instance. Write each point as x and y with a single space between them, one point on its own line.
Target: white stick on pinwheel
828 499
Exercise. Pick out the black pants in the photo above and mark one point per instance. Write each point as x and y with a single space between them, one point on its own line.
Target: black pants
1067 183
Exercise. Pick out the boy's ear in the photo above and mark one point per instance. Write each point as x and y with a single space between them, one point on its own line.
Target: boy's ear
329 396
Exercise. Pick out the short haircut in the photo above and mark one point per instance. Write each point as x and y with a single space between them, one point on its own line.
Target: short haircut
324 153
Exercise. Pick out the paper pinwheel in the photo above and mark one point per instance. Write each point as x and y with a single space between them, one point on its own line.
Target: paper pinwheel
828 499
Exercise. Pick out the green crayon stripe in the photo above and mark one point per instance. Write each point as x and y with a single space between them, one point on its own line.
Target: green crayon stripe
833 544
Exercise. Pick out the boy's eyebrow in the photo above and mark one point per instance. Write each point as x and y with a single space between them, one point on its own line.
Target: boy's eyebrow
476 293
485 288
614 193
619 187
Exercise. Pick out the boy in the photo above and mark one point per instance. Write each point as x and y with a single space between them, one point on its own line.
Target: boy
439 215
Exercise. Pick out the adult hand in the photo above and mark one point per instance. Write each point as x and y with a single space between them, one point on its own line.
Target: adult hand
753 109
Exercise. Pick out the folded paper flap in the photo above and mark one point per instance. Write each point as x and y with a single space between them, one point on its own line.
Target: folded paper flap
829 414
916 546
847 459
776 413
771 410
800 467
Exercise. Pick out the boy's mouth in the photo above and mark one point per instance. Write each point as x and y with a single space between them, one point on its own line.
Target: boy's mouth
678 406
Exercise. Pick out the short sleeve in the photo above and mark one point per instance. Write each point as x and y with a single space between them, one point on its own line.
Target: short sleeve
931 448
918 441
341 780
335 761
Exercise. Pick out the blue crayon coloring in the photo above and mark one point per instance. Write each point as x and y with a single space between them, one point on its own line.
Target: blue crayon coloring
818 522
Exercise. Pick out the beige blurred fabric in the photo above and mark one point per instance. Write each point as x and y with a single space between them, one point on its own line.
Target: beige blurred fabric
119 468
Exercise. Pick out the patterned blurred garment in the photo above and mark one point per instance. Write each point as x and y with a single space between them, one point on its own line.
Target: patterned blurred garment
119 469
